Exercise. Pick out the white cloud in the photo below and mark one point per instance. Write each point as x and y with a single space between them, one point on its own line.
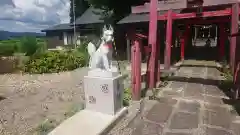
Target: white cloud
30 15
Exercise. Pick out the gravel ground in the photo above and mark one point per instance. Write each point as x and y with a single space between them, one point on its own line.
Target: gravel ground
28 100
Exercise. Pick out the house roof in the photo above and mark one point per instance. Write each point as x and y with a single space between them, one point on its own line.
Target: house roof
90 16
141 17
134 18
65 26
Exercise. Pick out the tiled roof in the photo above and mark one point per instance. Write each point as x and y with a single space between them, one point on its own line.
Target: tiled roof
90 16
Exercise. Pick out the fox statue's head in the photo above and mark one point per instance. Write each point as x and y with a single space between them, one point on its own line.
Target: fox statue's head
108 34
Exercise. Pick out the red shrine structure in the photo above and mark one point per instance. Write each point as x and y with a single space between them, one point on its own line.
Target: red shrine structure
169 20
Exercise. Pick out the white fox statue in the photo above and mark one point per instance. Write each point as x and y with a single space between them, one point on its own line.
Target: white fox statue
101 57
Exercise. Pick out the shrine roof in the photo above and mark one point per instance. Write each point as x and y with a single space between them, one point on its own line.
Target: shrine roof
90 16
141 17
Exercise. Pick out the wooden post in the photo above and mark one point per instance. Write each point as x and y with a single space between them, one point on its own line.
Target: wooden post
152 42
237 80
168 48
133 73
136 70
184 41
195 31
182 47
128 49
158 58
234 29
237 69
222 39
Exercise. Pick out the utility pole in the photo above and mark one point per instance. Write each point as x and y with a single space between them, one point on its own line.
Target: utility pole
74 24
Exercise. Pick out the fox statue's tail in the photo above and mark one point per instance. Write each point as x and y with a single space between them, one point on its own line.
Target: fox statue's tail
91 51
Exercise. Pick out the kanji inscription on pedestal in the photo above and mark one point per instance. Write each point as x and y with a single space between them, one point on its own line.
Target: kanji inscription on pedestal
104 88
92 100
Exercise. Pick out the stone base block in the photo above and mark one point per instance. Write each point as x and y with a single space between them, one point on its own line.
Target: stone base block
104 94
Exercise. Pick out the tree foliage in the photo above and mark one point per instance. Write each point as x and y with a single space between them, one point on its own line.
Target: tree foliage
119 8
80 7
114 10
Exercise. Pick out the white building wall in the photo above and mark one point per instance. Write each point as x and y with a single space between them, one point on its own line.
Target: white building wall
65 38
78 38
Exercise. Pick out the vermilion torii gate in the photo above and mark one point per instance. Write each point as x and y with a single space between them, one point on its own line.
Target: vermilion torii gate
220 12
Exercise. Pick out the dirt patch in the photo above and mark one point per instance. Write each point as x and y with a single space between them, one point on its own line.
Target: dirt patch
28 101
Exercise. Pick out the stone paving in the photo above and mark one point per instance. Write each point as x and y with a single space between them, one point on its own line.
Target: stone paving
191 104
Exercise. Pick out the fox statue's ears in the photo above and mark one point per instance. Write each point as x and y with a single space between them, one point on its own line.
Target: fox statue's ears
111 28
105 28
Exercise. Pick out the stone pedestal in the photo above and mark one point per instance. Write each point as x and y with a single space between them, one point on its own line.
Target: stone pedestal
103 93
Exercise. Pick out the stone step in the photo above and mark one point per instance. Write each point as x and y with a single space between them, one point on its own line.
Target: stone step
235 127
88 122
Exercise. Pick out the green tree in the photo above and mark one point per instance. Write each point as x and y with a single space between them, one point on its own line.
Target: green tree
80 7
115 9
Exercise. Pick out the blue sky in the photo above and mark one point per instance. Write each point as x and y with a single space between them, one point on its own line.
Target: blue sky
32 15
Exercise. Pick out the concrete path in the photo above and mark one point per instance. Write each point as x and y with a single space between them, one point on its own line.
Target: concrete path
191 104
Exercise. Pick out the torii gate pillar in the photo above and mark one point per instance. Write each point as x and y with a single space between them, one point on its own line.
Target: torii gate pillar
153 43
234 29
167 57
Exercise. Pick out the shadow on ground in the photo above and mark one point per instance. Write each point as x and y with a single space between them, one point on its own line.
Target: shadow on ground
234 103
2 98
225 86
208 66
193 80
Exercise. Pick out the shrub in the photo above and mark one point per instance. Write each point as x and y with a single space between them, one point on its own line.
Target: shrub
41 49
54 62
28 45
7 49
83 49
127 96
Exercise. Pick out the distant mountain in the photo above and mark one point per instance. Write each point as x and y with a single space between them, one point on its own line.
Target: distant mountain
4 35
